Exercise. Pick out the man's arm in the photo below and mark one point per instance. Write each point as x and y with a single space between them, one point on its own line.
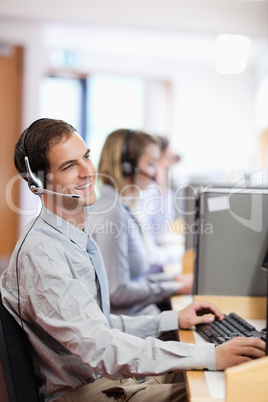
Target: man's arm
63 308
147 325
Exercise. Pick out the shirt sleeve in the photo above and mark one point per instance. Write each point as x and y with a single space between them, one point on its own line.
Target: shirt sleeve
64 309
144 326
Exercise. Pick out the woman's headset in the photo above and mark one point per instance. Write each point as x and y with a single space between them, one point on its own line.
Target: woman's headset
128 165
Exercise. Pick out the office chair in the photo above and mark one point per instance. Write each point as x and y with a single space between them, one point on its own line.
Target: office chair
17 366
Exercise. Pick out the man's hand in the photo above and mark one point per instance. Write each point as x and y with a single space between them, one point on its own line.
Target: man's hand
237 351
186 282
197 313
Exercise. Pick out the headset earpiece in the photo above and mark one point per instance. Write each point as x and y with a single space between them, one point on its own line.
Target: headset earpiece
127 168
32 179
128 165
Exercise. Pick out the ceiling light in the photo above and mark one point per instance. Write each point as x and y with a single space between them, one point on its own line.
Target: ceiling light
231 53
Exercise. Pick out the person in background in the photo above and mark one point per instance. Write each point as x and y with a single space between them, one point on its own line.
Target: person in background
56 289
128 164
157 210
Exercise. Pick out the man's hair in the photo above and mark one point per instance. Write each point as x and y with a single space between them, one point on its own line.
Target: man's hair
110 164
40 136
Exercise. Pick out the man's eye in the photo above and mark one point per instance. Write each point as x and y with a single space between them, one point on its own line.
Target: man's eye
87 156
68 166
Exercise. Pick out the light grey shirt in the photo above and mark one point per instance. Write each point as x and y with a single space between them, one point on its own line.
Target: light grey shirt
118 236
72 343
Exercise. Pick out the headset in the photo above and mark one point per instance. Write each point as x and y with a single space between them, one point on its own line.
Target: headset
128 165
35 184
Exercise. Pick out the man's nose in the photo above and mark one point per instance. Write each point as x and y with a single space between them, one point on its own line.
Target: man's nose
86 170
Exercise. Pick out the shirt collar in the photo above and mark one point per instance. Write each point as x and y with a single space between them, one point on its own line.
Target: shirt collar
71 231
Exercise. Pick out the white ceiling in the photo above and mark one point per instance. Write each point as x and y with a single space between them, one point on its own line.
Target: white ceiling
182 30
206 16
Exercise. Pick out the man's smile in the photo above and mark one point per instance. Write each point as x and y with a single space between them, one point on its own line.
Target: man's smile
84 186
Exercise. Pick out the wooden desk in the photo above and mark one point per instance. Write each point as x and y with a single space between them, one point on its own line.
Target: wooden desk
197 382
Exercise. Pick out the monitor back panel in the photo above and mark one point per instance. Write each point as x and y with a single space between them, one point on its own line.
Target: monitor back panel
231 243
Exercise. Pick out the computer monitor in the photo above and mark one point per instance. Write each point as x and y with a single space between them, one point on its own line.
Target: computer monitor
265 268
231 242
186 200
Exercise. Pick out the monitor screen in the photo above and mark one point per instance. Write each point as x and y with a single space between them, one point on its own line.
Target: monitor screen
231 243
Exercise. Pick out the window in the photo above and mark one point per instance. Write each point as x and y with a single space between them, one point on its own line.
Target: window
61 98
101 103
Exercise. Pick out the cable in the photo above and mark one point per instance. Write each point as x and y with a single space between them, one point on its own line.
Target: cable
17 258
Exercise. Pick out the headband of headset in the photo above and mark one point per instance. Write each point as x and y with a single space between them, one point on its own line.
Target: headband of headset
23 144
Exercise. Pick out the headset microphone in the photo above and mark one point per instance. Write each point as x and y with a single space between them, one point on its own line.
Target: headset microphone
137 170
36 185
39 191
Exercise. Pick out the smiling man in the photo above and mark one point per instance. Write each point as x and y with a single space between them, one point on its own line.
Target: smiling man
71 171
55 287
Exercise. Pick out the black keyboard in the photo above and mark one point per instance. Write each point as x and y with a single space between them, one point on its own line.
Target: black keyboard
231 326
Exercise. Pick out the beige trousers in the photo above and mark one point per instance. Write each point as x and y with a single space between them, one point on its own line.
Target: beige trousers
165 388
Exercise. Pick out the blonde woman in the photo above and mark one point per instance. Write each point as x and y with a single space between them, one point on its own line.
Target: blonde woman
128 164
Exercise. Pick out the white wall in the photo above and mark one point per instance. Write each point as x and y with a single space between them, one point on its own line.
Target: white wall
215 122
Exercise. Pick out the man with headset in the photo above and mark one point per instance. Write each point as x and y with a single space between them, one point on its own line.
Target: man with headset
56 289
